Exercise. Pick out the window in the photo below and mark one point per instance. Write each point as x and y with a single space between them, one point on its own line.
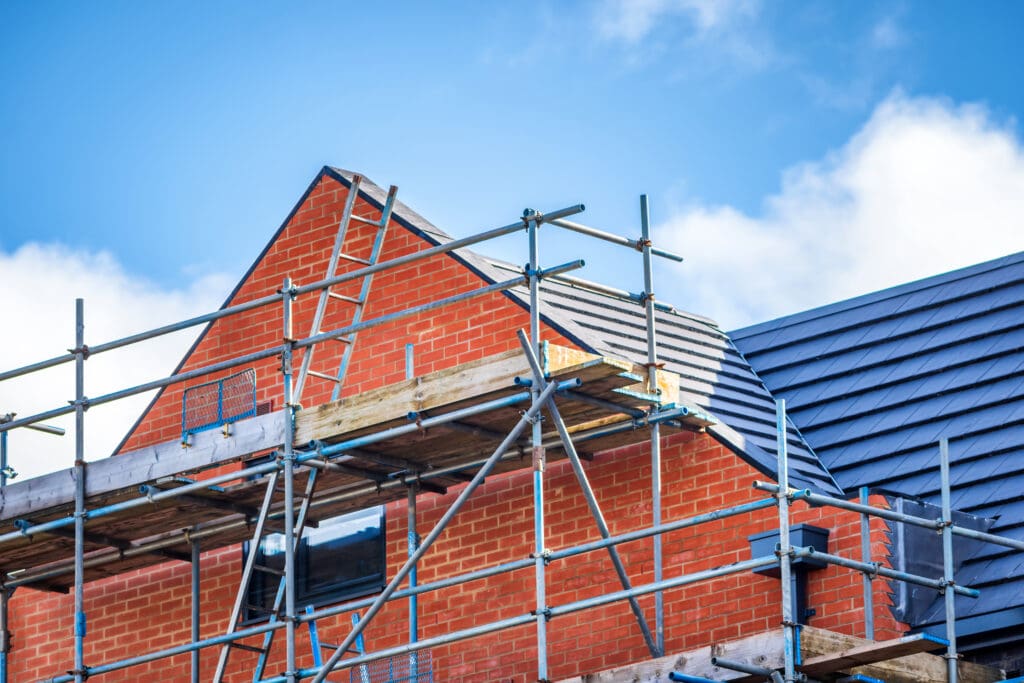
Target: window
343 558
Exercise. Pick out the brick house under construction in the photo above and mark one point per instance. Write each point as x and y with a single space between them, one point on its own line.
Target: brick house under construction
195 499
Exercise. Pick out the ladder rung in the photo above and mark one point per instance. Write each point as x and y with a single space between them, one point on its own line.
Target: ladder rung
354 259
346 299
267 570
366 219
247 648
322 375
328 646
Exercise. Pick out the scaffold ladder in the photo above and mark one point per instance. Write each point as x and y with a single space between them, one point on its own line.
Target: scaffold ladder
260 532
357 303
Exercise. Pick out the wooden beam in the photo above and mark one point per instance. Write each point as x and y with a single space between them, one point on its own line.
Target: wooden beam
762 649
127 471
870 653
817 646
472 380
117 543
817 643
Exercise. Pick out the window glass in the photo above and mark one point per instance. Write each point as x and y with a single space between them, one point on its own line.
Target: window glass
342 558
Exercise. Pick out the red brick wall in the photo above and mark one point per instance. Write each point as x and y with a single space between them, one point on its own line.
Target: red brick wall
148 609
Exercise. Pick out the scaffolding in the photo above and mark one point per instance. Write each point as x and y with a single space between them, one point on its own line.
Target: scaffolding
223 512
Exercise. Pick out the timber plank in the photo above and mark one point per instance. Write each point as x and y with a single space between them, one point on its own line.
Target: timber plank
870 653
817 646
117 478
913 668
472 383
55 492
762 649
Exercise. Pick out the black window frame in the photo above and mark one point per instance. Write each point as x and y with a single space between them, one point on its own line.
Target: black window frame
263 586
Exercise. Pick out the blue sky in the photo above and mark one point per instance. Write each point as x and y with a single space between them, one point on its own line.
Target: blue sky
794 152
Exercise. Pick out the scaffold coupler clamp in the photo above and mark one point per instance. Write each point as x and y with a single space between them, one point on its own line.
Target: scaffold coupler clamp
537 417
791 553
945 585
529 272
83 349
544 555
546 611
539 458
642 243
84 403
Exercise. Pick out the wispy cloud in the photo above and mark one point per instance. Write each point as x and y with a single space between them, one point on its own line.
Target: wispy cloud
723 32
37 297
924 187
633 20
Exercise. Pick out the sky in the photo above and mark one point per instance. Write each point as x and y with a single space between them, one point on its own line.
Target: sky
796 153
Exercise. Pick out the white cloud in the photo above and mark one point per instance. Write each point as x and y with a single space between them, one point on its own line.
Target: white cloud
633 20
924 187
37 304
699 37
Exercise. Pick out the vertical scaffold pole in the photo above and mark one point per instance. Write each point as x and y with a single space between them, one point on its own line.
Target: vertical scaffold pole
868 579
652 386
5 636
3 455
414 624
947 562
788 622
413 543
528 417
538 457
287 294
80 356
588 495
196 633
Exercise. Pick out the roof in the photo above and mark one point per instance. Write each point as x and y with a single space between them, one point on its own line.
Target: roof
874 382
715 377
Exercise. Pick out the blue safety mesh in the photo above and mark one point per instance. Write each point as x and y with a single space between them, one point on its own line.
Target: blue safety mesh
416 667
210 405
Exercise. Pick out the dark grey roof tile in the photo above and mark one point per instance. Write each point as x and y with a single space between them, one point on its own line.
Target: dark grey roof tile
875 382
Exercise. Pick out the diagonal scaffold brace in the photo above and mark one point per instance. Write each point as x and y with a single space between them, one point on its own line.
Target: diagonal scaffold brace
588 493
527 418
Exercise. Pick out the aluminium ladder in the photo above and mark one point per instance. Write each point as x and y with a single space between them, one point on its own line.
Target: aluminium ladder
357 303
250 567
261 530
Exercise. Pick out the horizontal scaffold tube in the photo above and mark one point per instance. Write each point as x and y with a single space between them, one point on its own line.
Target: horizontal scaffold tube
468 577
613 238
743 667
214 528
264 468
522 620
875 568
613 292
275 350
313 286
892 515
